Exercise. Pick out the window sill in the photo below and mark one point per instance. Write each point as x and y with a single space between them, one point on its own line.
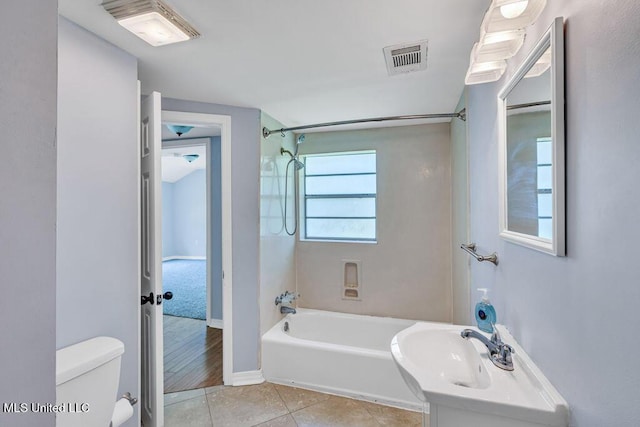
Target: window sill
366 242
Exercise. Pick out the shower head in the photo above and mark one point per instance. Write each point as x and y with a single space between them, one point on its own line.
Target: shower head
294 158
299 141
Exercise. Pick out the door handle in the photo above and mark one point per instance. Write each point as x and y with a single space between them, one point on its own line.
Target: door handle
149 299
145 299
167 295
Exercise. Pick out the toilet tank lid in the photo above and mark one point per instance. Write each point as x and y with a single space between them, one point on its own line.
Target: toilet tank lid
80 358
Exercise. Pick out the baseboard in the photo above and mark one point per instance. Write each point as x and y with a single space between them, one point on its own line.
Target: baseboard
215 323
170 258
247 378
401 404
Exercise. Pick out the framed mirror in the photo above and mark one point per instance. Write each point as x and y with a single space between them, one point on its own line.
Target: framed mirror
532 144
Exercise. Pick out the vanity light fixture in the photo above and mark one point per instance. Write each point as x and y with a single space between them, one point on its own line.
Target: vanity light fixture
497 46
502 34
151 20
483 72
506 15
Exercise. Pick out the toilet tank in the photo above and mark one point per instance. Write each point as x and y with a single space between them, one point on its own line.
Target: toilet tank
87 377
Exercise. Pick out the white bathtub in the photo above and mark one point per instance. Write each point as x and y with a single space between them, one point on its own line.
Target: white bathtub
344 354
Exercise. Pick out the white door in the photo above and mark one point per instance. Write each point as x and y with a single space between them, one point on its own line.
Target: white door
151 278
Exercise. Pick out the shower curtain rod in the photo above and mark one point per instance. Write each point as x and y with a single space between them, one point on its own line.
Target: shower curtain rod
462 115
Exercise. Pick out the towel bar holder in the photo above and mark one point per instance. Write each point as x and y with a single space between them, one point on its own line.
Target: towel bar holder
470 248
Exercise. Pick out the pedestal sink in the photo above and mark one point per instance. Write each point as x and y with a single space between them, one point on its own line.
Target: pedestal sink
463 387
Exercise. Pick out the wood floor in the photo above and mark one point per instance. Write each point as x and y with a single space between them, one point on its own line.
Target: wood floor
192 354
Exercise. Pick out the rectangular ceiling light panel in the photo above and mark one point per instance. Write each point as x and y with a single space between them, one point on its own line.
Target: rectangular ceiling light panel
151 20
154 28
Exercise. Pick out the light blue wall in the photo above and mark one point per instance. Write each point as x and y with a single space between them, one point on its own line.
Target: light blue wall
184 220
576 316
28 207
245 165
168 248
190 215
98 286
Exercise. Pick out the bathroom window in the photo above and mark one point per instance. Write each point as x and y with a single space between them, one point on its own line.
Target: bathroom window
340 196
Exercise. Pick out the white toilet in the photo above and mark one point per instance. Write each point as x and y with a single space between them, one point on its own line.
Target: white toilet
87 377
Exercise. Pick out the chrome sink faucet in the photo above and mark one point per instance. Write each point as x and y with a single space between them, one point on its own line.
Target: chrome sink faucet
500 353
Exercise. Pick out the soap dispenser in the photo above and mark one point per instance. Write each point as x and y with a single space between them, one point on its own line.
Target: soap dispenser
485 313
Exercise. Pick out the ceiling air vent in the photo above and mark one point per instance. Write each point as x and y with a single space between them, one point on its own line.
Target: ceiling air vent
406 58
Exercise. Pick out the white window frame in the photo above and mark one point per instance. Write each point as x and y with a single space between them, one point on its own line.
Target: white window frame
303 201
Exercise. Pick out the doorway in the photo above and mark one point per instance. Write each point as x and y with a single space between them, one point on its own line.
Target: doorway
150 245
222 151
191 257
152 295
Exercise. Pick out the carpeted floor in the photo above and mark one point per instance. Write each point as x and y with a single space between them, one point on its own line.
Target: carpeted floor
187 279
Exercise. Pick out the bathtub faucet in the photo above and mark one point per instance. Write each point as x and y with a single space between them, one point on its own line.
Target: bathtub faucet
285 309
499 351
286 299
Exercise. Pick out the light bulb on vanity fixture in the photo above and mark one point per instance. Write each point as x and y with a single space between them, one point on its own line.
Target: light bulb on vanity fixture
509 15
514 9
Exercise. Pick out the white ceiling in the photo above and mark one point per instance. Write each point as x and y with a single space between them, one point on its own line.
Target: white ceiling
175 167
304 61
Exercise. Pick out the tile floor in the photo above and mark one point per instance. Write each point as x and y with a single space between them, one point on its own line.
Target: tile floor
273 405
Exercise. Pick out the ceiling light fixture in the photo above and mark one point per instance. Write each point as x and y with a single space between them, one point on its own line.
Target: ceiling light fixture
151 20
502 34
179 129
191 157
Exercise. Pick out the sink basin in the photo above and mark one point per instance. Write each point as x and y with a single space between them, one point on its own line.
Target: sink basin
447 358
457 378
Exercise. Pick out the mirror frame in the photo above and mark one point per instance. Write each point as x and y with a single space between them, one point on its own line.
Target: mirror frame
554 38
